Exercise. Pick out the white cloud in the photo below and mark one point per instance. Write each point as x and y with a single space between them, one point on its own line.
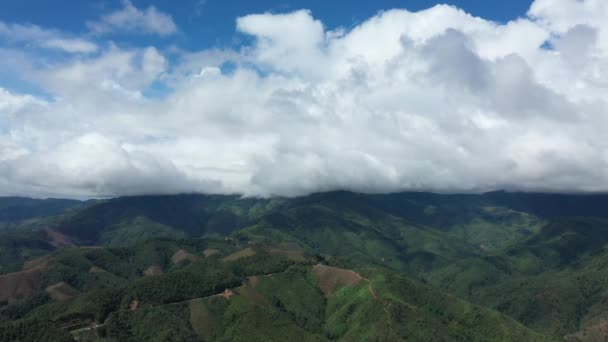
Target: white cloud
291 42
44 38
435 99
131 19
11 104
94 163
70 45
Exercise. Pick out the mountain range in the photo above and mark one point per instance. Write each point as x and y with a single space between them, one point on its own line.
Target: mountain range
500 266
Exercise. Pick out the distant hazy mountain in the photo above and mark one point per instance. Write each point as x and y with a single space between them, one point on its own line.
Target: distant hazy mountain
14 209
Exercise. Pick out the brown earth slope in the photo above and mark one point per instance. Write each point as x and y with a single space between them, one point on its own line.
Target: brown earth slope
181 256
331 278
61 292
19 285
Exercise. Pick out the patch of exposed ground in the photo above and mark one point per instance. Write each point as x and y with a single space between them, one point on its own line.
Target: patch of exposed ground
153 270
331 278
181 256
597 332
75 323
243 253
41 263
290 246
95 269
289 250
24 284
61 292
202 321
252 281
58 239
210 252
88 333
20 285
248 291
226 294
297 256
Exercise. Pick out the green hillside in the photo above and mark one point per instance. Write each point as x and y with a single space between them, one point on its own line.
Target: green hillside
498 266
275 293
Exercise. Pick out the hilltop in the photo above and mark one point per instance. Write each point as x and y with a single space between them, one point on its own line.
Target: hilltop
502 266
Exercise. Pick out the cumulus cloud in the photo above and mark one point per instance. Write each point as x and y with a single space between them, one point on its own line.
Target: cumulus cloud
33 35
93 163
132 19
431 100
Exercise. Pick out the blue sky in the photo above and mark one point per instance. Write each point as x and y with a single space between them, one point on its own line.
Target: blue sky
207 23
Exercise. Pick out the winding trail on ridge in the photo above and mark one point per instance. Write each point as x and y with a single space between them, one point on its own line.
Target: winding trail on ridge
384 306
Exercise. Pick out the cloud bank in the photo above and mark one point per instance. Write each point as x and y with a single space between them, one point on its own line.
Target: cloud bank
431 100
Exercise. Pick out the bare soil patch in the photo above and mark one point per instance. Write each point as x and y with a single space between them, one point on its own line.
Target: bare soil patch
210 252
243 253
297 256
95 269
181 256
202 321
153 270
289 250
226 294
592 333
251 295
330 278
41 263
61 292
248 291
58 239
252 281
20 285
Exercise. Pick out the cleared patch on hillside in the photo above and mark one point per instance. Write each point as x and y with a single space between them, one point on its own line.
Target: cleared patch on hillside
61 292
153 270
58 239
95 269
594 326
210 252
289 250
202 321
226 294
252 281
181 256
248 291
296 256
20 285
330 278
41 263
243 253
597 332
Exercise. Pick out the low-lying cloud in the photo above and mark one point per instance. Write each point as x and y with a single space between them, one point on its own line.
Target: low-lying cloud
431 100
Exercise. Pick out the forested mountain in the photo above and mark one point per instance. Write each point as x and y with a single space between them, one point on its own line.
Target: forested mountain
16 209
330 266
